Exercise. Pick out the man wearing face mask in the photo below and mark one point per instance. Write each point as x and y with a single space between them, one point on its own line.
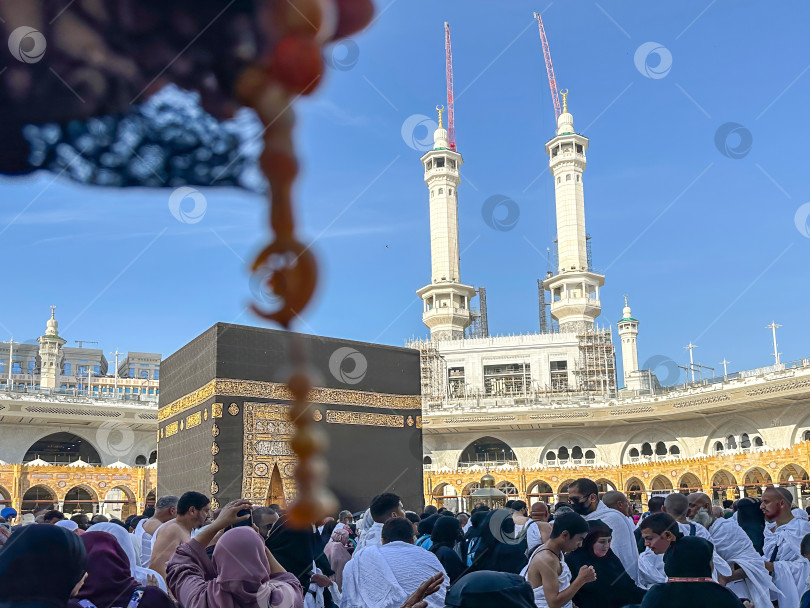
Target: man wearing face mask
583 495
750 578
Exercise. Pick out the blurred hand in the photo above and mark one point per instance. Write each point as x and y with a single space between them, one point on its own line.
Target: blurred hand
430 586
321 580
228 515
151 580
587 573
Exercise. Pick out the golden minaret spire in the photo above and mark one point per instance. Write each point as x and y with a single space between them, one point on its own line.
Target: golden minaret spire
440 109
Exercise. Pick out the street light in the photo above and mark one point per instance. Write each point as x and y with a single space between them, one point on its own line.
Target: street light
488 494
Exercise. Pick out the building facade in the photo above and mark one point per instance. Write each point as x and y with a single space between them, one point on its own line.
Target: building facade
74 437
537 411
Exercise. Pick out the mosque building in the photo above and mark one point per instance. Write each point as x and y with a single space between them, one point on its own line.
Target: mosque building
77 436
538 410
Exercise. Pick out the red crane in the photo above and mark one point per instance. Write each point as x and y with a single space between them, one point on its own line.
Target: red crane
552 81
448 58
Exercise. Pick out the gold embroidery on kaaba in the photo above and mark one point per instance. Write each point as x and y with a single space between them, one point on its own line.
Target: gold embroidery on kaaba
233 409
214 449
214 504
158 435
205 414
410 421
214 487
274 390
193 420
171 429
215 430
317 416
419 422
340 417
266 436
260 469
214 467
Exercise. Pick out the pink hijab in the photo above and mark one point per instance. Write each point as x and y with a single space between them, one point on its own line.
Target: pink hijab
243 575
337 554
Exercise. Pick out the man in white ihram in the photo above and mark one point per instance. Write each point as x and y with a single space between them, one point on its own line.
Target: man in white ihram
383 507
583 494
384 576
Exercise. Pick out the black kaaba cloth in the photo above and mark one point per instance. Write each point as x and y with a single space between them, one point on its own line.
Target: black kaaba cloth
224 428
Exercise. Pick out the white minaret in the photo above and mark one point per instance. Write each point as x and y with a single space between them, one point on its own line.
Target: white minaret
628 332
574 289
446 301
50 353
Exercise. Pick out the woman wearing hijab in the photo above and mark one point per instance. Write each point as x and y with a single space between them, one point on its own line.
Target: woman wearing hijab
613 588
337 552
26 581
499 550
240 574
473 536
688 566
751 519
425 529
124 539
488 589
446 533
109 583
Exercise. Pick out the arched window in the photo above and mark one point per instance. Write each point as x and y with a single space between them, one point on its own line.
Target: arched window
153 457
674 450
487 449
731 442
568 177
441 191
806 436
633 453
563 453
64 448
758 442
589 455
450 191
718 446
576 453
745 442
660 449
140 461
551 456
646 449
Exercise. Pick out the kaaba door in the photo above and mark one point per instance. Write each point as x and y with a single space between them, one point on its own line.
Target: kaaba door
275 492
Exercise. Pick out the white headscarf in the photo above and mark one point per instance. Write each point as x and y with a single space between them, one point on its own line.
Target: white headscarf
67 524
126 540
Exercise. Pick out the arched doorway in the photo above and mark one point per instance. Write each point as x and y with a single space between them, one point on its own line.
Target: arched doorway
604 485
5 498
444 495
795 479
488 452
755 482
660 485
427 463
467 502
38 498
539 491
120 503
150 499
508 488
275 492
562 492
79 500
724 486
634 489
63 448
689 484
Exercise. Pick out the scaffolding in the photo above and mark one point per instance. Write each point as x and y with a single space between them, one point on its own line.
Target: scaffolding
479 327
433 371
596 366
541 299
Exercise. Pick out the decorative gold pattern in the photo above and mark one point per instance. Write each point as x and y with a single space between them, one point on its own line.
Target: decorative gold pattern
205 414
317 416
260 469
339 417
181 425
215 430
273 390
214 487
267 432
410 421
214 449
233 409
171 429
214 467
214 504
193 420
419 422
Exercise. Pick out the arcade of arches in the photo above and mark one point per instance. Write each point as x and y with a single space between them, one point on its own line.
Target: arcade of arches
117 492
726 476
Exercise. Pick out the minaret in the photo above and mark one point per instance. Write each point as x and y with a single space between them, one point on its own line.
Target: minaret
574 289
50 353
628 332
446 301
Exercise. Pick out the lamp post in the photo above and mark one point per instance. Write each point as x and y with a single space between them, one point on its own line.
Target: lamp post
773 327
488 494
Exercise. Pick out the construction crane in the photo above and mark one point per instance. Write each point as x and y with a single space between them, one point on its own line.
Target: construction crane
81 343
552 81
448 58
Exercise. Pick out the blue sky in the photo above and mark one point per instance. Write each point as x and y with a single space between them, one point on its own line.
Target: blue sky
706 245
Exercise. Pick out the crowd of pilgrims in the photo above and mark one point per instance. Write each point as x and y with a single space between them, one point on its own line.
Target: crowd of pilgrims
589 553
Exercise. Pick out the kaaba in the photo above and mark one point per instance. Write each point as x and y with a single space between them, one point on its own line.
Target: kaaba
223 425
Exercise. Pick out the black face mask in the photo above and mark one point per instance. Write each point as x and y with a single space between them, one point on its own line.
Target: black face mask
579 507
